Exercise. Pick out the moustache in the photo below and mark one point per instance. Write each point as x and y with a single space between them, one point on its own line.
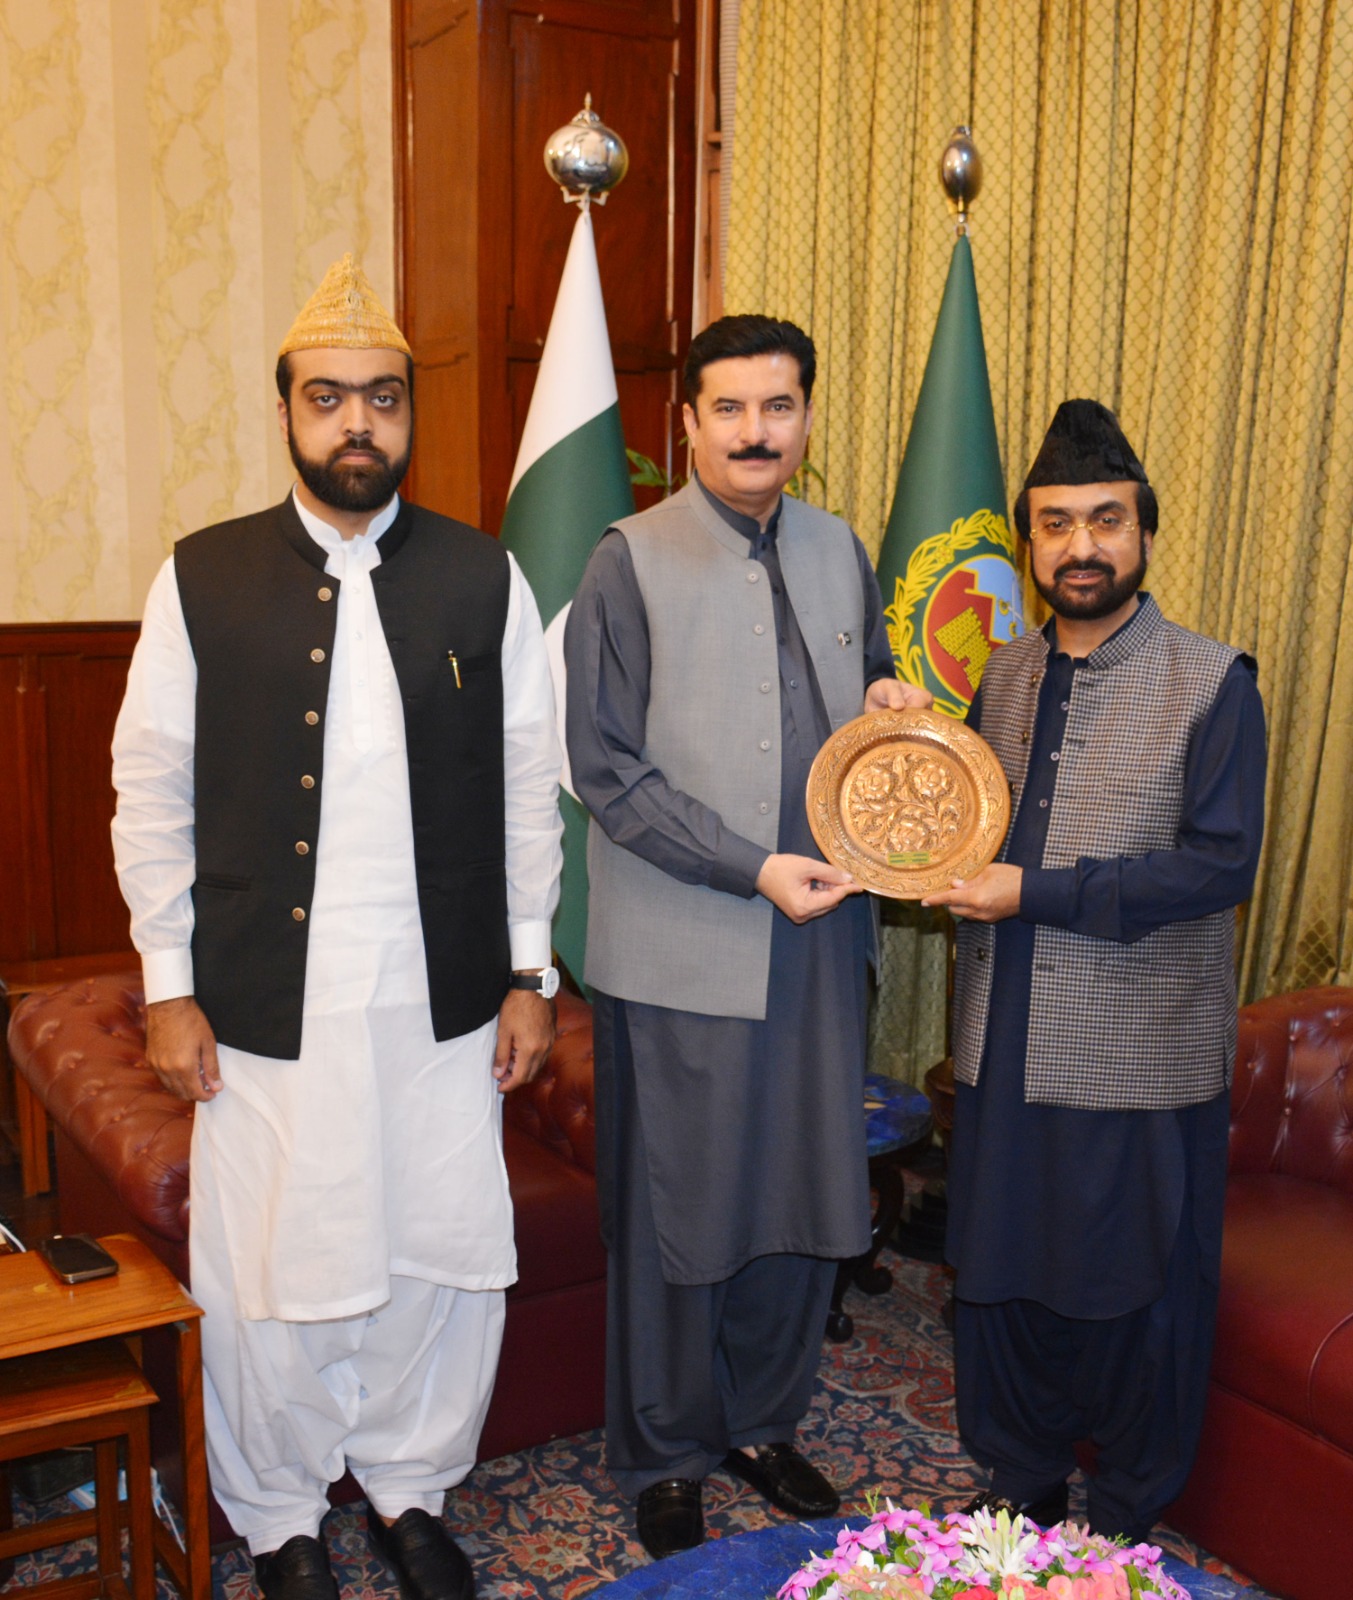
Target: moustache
364 444
1083 566
754 452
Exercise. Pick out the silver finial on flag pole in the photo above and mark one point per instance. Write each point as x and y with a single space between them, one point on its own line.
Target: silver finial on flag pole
961 174
586 158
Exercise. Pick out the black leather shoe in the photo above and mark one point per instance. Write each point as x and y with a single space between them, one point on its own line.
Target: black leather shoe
299 1570
788 1481
669 1517
428 1562
1047 1510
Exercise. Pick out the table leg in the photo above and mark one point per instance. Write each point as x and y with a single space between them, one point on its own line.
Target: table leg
193 1441
105 1510
140 1513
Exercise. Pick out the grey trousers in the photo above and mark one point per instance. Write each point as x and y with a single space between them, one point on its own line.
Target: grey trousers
694 1370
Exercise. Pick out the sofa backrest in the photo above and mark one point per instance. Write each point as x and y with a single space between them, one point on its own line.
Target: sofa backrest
1292 1101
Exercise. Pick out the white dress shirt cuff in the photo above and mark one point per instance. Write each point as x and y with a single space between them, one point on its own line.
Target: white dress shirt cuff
530 945
167 973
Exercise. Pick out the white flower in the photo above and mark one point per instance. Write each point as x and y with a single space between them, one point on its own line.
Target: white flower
996 1547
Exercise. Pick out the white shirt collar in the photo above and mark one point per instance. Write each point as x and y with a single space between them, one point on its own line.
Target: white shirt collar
328 538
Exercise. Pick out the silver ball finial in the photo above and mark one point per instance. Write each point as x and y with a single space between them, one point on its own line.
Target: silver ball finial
961 173
586 158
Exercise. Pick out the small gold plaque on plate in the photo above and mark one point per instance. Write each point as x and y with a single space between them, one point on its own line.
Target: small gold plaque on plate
906 801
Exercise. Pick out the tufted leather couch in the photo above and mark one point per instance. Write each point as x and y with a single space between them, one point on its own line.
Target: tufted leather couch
122 1166
1272 1489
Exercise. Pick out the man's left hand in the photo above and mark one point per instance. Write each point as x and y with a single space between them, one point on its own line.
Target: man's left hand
887 694
991 896
525 1034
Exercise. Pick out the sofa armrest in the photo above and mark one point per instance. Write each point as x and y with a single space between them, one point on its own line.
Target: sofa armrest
82 1048
557 1109
1292 1099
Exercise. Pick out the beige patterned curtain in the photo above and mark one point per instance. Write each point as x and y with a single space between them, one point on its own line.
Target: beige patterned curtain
175 176
1165 224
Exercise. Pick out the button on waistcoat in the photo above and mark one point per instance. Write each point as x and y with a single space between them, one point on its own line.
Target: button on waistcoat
261 618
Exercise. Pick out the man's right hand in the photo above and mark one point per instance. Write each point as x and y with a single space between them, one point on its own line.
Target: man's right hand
181 1049
803 888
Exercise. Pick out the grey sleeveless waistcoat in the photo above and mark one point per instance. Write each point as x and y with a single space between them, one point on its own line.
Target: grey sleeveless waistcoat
714 731
1148 1025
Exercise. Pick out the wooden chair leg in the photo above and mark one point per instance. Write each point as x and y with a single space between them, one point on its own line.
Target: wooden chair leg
31 1115
105 1510
6 1521
141 1513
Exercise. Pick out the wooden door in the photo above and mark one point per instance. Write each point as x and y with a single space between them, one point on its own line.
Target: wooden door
484 231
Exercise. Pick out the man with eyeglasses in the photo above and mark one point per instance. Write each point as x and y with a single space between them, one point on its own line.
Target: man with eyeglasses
1094 1018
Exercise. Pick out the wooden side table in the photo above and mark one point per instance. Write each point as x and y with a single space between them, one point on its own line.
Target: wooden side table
38 1312
20 978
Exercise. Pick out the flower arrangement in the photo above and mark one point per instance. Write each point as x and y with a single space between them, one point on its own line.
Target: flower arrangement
909 1555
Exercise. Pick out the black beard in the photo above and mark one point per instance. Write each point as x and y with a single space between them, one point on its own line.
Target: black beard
356 485
1090 605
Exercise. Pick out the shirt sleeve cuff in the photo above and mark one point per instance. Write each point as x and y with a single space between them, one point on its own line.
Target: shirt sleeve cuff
737 866
167 974
530 942
1048 895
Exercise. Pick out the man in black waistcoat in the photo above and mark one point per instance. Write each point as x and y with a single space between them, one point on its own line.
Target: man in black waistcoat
337 833
1095 1009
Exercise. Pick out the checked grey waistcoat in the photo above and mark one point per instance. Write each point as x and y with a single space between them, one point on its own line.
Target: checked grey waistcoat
1148 1025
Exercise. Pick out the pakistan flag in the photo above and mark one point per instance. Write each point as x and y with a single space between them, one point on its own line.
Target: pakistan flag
951 591
570 482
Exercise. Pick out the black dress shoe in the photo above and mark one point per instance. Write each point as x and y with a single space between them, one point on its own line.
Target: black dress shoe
1047 1510
298 1570
780 1473
428 1562
669 1517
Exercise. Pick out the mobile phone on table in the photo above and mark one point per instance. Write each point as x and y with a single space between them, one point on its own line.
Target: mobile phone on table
75 1257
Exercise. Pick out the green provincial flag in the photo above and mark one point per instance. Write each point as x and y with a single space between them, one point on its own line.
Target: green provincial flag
951 591
570 483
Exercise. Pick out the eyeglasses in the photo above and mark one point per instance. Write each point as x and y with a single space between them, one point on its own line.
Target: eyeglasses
1106 528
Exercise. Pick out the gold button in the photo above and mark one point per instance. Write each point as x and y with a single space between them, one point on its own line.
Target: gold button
317 655
312 717
307 782
326 593
298 914
302 848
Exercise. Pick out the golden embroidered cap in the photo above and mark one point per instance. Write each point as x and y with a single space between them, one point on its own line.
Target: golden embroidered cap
344 313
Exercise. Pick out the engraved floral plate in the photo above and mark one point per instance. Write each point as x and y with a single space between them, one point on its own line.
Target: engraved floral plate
906 801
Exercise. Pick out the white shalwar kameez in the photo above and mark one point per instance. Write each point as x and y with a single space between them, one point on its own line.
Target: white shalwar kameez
351 1224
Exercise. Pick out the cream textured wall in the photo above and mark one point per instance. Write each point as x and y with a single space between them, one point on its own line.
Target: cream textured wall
175 176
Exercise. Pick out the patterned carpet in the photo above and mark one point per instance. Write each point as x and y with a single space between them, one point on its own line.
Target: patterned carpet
547 1525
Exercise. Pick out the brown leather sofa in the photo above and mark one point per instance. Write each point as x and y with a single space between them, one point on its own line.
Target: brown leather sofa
122 1166
1272 1489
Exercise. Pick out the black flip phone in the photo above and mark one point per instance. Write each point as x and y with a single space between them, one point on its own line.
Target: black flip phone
75 1257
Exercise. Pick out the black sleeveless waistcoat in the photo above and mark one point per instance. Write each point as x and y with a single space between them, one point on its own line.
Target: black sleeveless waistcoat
260 612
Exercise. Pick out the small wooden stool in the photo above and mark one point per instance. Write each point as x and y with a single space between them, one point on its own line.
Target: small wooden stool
89 1394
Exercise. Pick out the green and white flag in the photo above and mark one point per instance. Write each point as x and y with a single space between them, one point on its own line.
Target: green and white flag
951 591
570 483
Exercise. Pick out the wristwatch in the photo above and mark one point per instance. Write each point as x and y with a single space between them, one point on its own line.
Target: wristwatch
545 982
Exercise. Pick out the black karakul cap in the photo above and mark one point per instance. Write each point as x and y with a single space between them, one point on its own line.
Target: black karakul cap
1084 445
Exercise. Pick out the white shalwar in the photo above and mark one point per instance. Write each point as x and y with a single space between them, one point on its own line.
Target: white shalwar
351 1224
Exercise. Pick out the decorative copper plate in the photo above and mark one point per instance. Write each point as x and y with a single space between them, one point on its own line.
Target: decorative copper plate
905 801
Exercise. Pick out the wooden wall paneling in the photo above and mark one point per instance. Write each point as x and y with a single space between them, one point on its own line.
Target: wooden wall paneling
62 685
437 98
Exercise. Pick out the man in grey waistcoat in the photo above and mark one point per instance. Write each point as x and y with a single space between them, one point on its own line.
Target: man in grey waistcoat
716 641
1094 1023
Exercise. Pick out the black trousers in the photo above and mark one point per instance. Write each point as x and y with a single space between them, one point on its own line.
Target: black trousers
1031 1383
694 1370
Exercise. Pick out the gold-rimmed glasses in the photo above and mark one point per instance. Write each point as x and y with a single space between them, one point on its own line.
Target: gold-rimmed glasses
1106 528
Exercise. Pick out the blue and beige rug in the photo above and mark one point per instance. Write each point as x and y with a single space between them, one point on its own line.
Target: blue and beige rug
547 1524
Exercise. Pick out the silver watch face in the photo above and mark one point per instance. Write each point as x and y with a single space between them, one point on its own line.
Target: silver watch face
549 982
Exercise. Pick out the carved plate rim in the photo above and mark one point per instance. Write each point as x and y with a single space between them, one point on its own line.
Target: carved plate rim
914 730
